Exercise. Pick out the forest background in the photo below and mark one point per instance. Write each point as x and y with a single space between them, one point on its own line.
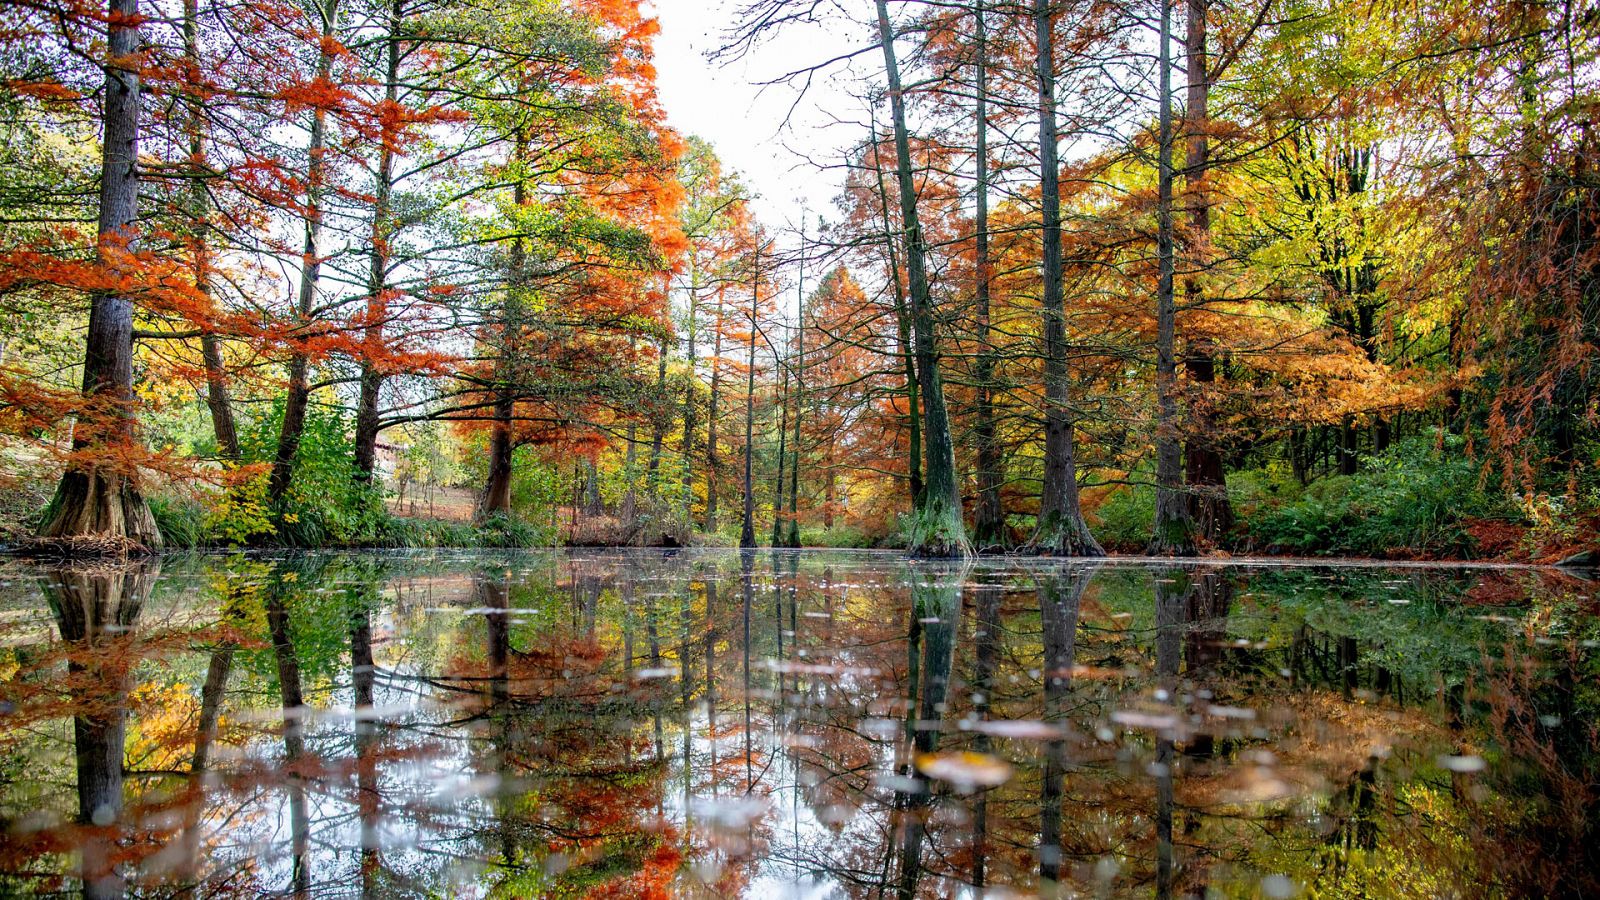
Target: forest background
1289 276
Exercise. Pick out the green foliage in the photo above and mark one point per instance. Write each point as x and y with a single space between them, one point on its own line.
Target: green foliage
241 513
1416 499
182 522
1125 518
325 505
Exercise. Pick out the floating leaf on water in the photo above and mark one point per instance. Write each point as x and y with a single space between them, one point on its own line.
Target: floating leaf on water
663 672
729 812
964 769
1019 729
1135 719
899 783
1469 763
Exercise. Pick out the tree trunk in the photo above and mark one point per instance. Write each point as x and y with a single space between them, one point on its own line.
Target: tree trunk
988 526
298 396
783 453
1209 506
1173 532
218 401
687 482
747 533
1061 529
96 611
712 403
102 498
902 318
496 497
937 528
383 226
793 537
658 424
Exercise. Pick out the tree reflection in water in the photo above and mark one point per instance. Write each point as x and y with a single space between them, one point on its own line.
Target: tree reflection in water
610 724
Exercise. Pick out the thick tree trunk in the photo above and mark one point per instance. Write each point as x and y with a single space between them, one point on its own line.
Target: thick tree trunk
1209 507
1061 529
937 527
298 396
95 612
496 499
101 497
988 526
1173 532
372 374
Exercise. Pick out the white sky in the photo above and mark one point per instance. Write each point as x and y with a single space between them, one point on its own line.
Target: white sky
725 106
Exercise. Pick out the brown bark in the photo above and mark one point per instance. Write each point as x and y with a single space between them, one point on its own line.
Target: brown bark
368 423
298 396
1173 532
102 498
1204 473
938 529
1061 527
988 525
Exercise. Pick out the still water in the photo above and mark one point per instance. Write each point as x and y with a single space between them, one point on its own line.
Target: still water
800 724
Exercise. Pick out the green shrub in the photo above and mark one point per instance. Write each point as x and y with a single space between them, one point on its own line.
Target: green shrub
181 521
1415 499
1125 519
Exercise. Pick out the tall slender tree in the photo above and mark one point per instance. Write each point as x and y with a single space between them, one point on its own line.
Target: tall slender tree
1061 528
937 528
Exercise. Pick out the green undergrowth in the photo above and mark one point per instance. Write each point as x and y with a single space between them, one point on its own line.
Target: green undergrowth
1416 499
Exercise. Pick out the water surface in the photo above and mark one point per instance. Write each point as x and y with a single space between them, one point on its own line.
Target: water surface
804 724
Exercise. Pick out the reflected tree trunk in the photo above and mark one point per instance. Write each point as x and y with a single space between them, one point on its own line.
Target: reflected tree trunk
95 610
987 643
294 710
1060 598
1171 598
936 610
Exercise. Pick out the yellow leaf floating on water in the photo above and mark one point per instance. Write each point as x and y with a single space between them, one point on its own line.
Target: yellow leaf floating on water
965 769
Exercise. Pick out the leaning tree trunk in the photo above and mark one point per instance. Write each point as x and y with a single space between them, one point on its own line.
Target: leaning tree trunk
218 400
988 526
298 397
99 491
1209 506
1173 531
1061 528
937 528
902 319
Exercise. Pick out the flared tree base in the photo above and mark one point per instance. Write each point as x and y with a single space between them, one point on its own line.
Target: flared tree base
935 531
98 513
1064 535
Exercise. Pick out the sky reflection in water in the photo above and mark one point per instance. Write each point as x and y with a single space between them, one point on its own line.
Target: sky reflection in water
793 724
